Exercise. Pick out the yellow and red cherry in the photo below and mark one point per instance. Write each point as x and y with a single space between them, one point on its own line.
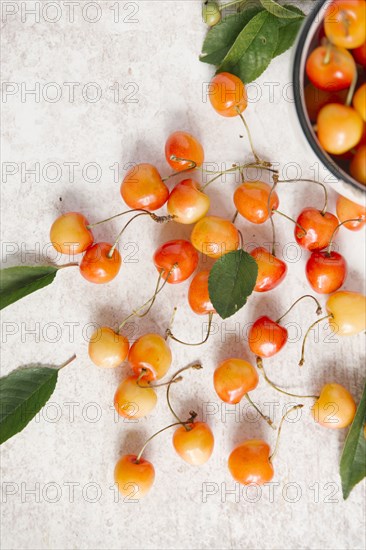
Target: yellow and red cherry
335 408
176 260
194 442
143 188
266 337
326 271
339 128
344 23
198 296
251 201
357 167
97 266
315 99
233 379
348 312
183 151
271 270
349 210
150 356
359 101
134 398
250 463
227 94
134 477
69 233
319 228
215 236
187 203
330 69
107 348
360 55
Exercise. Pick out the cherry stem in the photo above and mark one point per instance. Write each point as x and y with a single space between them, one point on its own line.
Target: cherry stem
239 167
169 334
179 159
318 309
302 359
275 180
235 216
138 458
257 159
329 247
277 388
70 360
291 220
352 88
266 418
196 366
294 408
159 385
305 180
328 52
90 226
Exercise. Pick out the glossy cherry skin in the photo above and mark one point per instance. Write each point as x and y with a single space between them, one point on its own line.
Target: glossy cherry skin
227 94
335 408
359 101
360 55
319 229
348 310
134 479
176 260
266 337
69 233
339 128
142 187
251 201
107 348
184 146
132 401
344 23
249 463
151 353
336 74
233 378
315 99
271 270
187 202
194 445
215 236
358 165
349 210
97 267
198 296
326 272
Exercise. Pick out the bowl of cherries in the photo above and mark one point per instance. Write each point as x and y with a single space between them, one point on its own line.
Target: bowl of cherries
330 90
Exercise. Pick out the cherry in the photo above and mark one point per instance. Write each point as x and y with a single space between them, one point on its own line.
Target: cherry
107 348
319 228
215 236
347 311
134 398
347 210
326 271
134 477
335 408
176 260
227 95
70 234
330 69
198 296
266 337
251 201
360 55
359 101
344 23
143 187
150 355
315 99
194 443
358 165
339 128
97 266
183 151
187 203
233 379
250 462
271 270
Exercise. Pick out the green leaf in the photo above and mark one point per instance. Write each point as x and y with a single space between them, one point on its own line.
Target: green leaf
288 30
353 460
17 282
283 12
231 281
222 36
253 49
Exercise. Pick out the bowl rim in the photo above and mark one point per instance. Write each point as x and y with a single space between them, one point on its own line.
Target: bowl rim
298 82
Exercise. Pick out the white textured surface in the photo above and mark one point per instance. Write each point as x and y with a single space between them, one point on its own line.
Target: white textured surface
160 54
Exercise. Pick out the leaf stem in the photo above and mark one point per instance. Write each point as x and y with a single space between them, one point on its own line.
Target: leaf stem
70 360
